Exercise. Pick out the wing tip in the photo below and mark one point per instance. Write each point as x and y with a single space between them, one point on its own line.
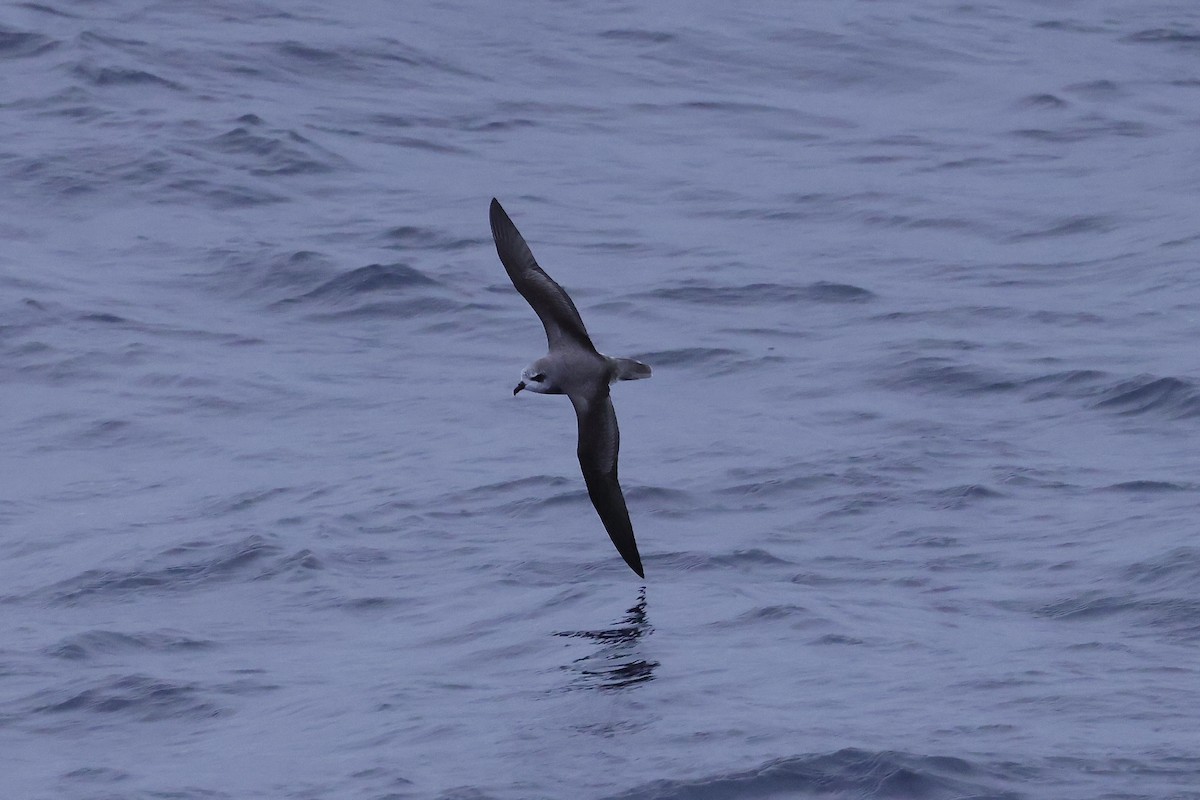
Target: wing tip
629 552
496 211
503 229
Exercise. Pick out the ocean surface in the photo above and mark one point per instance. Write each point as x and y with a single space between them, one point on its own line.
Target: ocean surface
916 480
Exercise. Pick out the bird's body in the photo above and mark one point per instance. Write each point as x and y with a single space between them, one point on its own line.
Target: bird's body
575 368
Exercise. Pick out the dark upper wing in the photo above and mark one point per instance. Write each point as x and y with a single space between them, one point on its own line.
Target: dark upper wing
599 441
554 308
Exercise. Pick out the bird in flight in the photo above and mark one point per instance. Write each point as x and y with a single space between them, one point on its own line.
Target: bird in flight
574 367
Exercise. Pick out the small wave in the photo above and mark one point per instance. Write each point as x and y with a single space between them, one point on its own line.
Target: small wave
428 144
86 169
836 639
1069 227
660 499
219 564
1066 318
95 643
224 194
1068 383
688 356
368 279
572 494
536 483
716 361
1151 486
98 775
515 497
933 373
1102 89
357 63
779 485
776 612
1044 101
1178 568
633 35
1092 604
140 697
273 152
764 293
1175 616
1173 397
96 41
244 501
372 603
849 772
1069 25
296 564
104 317
1166 36
859 503
1080 133
797 617
21 44
815 579
970 163
826 292
470 122
271 272
303 277
750 559
304 59
924 538
409 237
108 433
105 77
975 562
961 496
376 290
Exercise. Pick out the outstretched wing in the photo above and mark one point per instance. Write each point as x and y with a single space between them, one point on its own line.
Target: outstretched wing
599 441
554 308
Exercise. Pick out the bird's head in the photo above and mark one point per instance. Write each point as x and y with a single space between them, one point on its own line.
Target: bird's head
534 379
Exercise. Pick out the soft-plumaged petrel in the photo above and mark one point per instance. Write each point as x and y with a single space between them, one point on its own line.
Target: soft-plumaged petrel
573 367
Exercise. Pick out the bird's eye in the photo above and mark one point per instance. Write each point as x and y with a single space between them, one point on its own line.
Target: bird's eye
541 376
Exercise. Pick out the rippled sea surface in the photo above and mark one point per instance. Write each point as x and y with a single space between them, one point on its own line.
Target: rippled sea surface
916 481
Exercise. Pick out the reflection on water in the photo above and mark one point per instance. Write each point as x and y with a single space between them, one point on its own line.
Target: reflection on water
617 662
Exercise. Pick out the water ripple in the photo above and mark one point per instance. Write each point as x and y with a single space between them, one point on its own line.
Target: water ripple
850 772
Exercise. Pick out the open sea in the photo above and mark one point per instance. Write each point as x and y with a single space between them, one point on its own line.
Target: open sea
916 481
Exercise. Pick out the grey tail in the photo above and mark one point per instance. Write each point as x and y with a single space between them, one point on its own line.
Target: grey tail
626 369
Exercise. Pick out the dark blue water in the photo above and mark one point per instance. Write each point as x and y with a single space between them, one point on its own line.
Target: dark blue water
916 481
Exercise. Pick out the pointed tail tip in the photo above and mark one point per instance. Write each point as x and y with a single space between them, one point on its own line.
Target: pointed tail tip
629 369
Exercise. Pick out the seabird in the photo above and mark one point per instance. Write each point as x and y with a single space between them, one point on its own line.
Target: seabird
573 367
